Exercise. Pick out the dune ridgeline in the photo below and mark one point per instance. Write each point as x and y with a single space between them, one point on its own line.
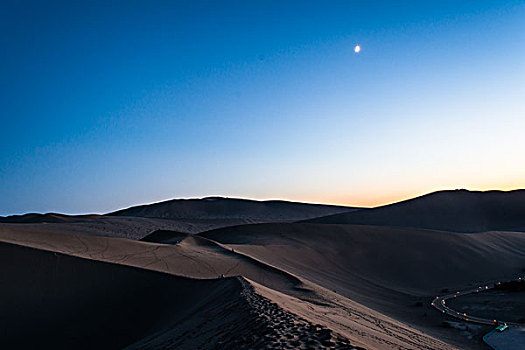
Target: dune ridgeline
219 273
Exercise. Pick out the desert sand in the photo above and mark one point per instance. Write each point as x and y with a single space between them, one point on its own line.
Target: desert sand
132 282
387 269
456 211
307 304
220 208
184 215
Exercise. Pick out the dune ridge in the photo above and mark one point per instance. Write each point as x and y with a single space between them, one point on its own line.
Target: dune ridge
184 215
66 302
214 208
284 284
456 211
201 258
387 269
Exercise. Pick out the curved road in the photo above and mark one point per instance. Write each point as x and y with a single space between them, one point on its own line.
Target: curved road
440 304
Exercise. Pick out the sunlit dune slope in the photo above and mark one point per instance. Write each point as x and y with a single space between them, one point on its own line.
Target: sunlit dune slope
387 269
406 260
457 211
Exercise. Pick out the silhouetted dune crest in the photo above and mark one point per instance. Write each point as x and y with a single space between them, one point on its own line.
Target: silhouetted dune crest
457 211
33 218
213 208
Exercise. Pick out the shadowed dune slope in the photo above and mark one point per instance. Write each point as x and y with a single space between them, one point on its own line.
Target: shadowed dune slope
457 211
165 236
56 301
234 209
62 302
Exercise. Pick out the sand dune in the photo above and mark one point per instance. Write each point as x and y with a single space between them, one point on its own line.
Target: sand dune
165 236
123 226
184 215
409 260
62 302
33 218
299 306
387 269
219 208
457 211
277 285
86 304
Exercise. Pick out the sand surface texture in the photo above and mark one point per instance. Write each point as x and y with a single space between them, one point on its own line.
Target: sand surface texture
230 273
296 311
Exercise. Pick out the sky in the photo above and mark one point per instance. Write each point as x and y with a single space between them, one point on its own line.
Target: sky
108 104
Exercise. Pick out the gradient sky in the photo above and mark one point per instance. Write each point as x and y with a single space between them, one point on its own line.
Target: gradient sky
107 104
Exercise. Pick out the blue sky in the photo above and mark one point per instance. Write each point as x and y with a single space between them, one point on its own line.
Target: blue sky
107 104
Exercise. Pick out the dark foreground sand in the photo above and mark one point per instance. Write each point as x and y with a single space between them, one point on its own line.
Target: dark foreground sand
60 301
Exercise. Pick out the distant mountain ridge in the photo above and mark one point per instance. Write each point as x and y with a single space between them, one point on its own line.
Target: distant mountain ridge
455 210
214 208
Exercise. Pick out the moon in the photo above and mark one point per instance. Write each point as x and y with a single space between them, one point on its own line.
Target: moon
357 48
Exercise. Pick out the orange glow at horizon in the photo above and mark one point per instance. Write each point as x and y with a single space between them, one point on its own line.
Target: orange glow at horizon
374 199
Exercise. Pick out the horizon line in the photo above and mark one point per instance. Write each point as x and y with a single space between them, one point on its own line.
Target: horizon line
267 199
